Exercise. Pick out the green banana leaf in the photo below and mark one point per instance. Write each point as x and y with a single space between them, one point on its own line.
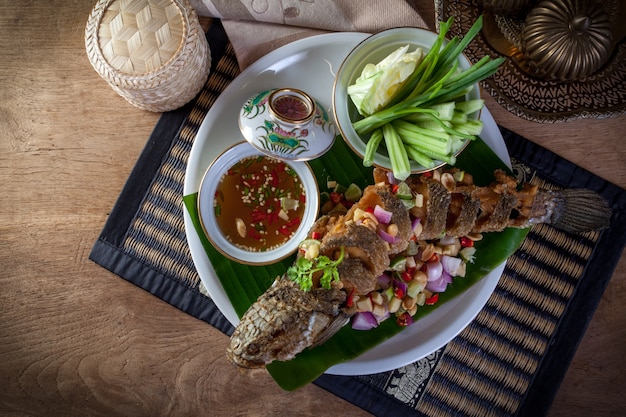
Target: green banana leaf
243 284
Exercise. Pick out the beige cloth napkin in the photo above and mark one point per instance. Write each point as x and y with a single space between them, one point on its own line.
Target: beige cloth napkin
256 27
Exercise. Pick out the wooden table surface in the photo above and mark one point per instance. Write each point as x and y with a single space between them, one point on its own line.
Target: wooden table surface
77 340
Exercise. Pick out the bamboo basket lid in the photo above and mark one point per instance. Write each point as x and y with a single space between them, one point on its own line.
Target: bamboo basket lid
153 53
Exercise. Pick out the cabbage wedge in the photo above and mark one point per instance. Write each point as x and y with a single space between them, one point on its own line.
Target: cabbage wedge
378 83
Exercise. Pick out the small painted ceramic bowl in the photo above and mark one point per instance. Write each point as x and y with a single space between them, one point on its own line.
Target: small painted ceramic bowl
372 50
287 123
256 209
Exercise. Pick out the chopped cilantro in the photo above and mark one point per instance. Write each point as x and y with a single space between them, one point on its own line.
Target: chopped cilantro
303 270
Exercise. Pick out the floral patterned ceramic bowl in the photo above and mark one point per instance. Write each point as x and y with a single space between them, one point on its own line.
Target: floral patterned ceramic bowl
287 123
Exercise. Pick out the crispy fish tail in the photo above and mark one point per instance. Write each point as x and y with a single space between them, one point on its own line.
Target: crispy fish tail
571 210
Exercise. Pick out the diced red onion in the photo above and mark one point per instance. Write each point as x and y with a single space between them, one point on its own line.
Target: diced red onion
391 179
401 285
451 264
439 285
434 270
384 281
383 216
447 240
380 230
364 320
415 224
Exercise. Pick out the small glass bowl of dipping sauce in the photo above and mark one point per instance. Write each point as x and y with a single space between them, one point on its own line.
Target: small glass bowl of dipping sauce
255 209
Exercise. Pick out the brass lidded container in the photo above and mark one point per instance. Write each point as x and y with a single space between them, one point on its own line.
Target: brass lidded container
566 40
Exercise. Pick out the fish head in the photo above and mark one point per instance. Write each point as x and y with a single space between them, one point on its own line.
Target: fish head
283 322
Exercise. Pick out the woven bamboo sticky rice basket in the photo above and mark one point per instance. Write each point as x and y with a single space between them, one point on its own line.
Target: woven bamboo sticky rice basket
153 53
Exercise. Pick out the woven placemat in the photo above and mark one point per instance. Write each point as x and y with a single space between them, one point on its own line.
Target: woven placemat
509 361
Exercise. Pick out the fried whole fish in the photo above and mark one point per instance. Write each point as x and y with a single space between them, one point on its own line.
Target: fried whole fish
458 207
286 319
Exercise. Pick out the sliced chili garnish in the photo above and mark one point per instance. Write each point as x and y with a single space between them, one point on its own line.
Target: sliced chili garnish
399 293
350 299
432 299
466 242
404 319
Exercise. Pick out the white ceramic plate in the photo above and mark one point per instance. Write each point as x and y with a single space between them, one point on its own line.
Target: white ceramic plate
310 65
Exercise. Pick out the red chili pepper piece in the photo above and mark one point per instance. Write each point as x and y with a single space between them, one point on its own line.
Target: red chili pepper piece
258 216
293 222
404 319
466 242
398 293
394 188
432 299
433 258
407 276
370 209
316 235
350 299
335 197
275 181
428 174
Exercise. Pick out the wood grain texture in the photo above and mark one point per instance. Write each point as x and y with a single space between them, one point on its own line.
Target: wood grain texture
77 340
